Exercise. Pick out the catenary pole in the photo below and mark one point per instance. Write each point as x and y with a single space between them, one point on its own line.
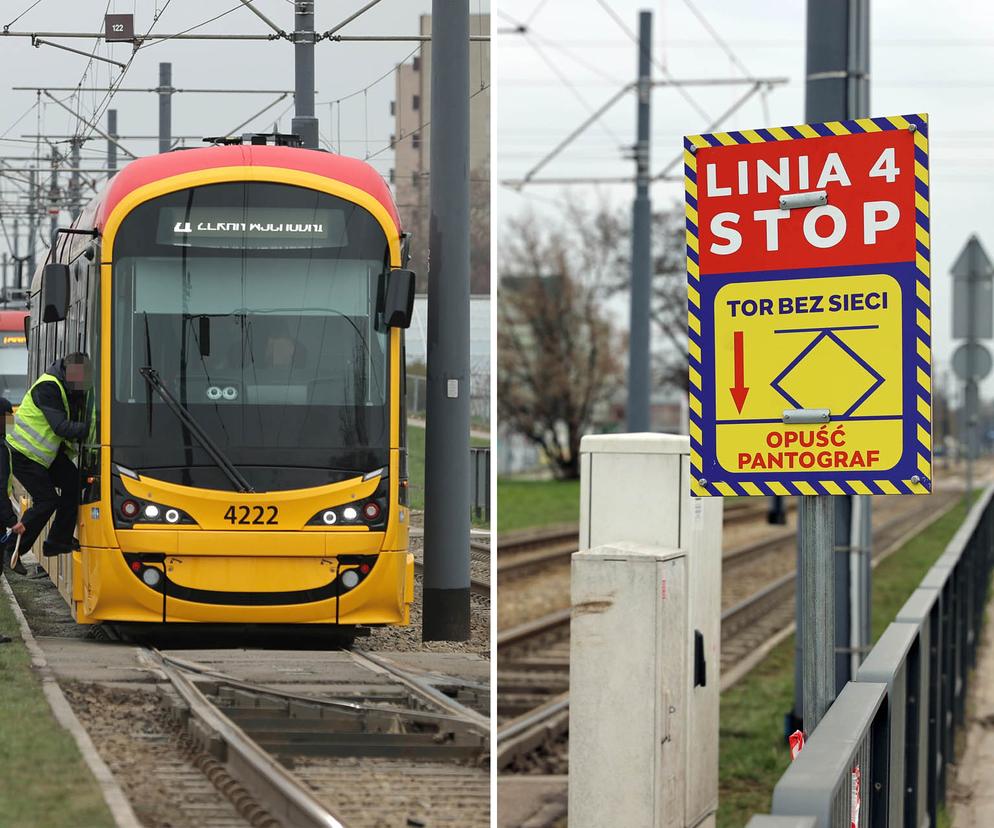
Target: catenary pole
165 106
446 538
53 197
74 191
638 408
111 146
837 87
33 217
305 124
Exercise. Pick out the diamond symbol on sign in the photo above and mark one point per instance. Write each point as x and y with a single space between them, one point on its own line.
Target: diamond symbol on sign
828 374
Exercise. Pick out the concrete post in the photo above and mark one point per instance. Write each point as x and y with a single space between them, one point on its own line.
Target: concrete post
304 124
639 375
446 538
165 106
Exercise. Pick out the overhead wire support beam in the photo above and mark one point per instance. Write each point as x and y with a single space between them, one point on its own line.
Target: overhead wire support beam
150 89
349 19
91 125
280 32
265 109
569 139
37 41
140 40
390 38
735 107
720 81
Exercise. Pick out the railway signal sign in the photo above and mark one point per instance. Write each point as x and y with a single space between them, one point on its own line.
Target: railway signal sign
809 309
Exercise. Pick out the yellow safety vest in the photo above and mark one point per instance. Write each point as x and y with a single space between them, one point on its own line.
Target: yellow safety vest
32 436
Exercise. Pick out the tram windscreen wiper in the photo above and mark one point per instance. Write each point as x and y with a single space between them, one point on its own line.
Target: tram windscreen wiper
186 418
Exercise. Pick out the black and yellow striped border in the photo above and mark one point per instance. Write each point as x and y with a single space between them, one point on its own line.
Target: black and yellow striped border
922 482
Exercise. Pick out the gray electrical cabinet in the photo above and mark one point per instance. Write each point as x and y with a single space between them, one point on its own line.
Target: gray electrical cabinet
645 638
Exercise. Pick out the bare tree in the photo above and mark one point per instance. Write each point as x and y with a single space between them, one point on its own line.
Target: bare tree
557 351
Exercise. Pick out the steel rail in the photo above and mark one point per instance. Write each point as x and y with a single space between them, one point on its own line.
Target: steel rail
530 629
477 586
425 689
350 707
285 798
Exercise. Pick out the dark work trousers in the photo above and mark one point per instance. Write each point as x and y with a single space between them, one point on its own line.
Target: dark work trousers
41 484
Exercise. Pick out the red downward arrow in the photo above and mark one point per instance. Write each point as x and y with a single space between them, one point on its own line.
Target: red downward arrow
739 390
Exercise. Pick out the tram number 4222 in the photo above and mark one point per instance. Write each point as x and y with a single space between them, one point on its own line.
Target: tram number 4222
254 515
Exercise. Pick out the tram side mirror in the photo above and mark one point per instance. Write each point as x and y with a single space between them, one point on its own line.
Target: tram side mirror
398 305
55 293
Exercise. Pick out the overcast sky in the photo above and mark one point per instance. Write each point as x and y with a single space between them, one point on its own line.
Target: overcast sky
925 57
343 72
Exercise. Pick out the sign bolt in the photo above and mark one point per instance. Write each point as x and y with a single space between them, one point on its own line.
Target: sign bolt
915 479
693 150
702 482
912 128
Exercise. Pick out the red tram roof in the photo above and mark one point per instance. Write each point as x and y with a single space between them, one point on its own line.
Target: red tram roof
144 171
12 320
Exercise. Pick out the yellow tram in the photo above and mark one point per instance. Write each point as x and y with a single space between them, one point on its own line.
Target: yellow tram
243 307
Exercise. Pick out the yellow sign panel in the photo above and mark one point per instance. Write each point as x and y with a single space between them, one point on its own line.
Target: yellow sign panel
822 343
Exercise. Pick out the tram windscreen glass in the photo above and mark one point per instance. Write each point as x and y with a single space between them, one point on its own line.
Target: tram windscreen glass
272 340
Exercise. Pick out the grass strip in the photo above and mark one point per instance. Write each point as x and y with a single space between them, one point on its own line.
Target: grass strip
523 504
416 466
752 752
44 783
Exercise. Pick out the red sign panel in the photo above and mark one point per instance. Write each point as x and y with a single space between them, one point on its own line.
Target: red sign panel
869 217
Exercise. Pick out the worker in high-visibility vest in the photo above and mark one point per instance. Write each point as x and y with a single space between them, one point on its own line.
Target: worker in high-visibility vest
42 442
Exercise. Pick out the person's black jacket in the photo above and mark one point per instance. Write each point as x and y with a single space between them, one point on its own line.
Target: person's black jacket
8 517
48 398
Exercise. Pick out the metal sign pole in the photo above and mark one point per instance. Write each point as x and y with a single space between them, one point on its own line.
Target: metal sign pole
817 521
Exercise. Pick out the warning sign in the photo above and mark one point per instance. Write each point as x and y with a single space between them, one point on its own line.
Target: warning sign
809 312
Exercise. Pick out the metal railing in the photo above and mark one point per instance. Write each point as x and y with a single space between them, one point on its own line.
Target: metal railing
881 754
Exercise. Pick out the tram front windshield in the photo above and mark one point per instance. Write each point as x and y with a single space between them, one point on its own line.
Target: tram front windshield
257 304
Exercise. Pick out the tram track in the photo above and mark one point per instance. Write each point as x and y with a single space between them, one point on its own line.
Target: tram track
525 550
300 760
533 657
234 737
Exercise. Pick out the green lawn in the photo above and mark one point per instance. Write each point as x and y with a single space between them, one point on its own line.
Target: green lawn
522 504
416 463
46 784
752 751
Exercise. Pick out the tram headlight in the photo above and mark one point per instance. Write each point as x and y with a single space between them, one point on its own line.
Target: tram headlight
151 576
132 511
369 511
350 578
